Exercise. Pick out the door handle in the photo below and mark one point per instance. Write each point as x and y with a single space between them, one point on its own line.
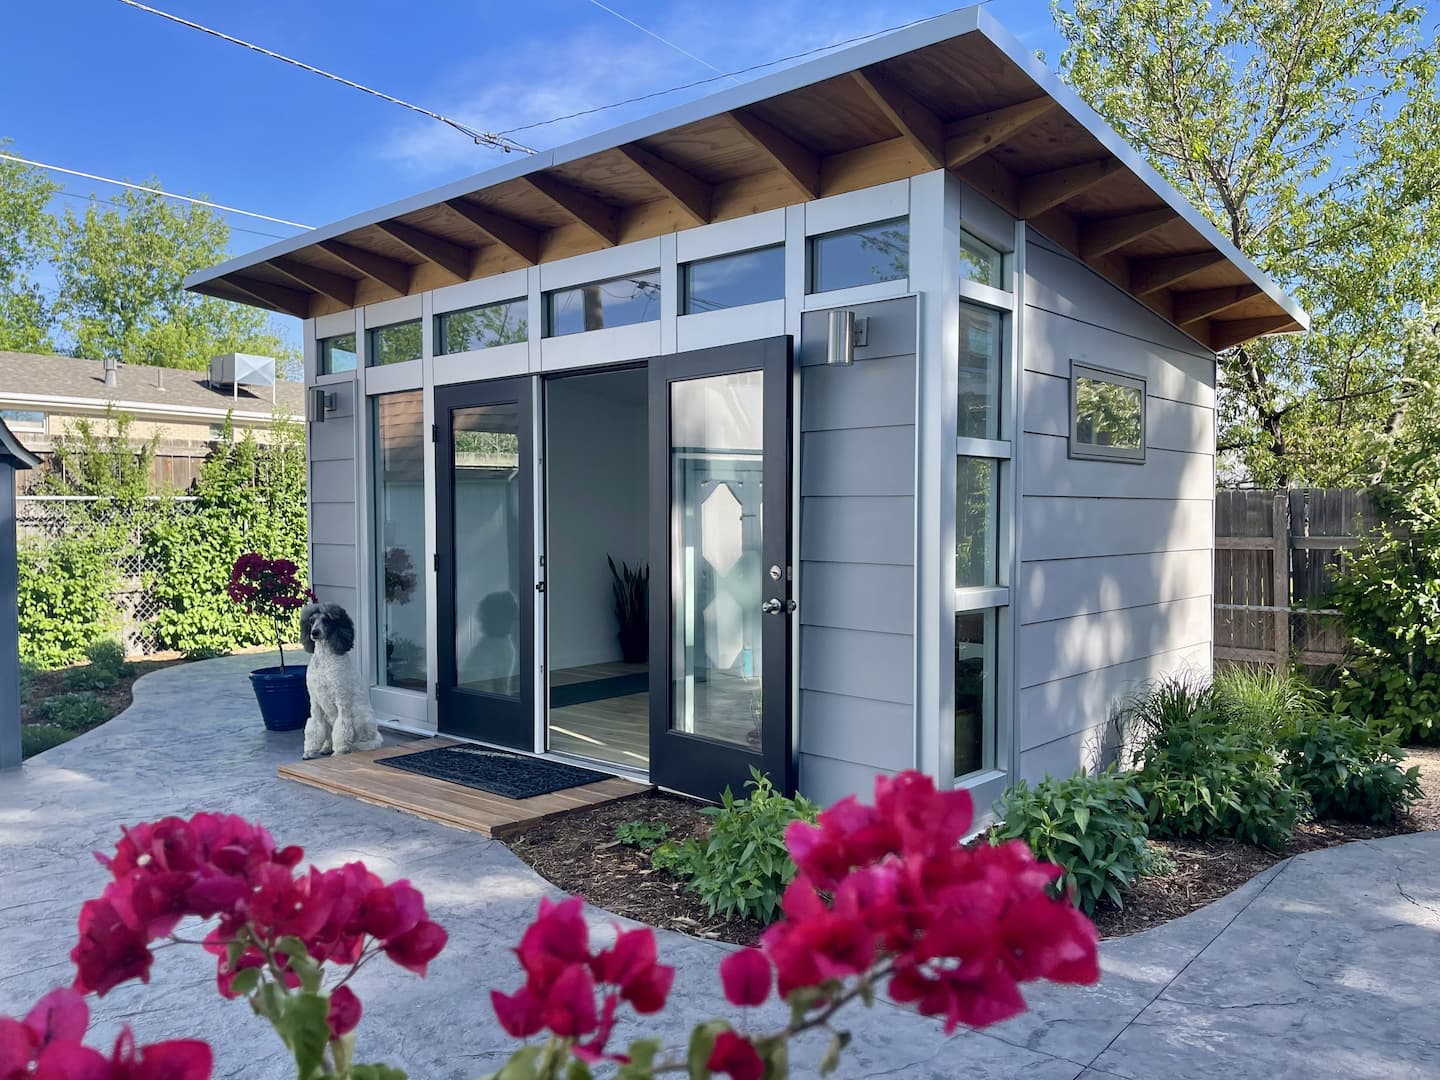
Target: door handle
772 606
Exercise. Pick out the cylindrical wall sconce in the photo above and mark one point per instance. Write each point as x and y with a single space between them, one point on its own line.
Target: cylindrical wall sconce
840 342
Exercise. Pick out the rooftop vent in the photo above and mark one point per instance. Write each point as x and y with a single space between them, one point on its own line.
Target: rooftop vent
241 369
112 371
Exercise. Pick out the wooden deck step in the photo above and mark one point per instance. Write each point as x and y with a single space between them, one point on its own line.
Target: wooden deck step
460 807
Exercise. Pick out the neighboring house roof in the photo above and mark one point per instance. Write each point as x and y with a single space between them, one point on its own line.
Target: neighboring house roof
957 92
66 384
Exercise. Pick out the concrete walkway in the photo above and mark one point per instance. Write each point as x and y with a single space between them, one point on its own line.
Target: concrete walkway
1324 966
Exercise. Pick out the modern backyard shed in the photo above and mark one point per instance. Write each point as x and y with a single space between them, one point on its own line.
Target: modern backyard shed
895 370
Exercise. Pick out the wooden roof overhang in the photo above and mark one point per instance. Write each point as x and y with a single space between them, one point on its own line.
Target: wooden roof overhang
956 92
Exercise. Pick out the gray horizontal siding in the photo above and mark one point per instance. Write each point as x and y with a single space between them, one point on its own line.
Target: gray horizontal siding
333 481
857 555
1067 528
333 564
1115 577
1165 474
334 555
858 530
1170 425
1065 647
1063 588
1061 707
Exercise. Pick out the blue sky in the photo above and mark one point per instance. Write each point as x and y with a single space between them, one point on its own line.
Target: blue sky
104 88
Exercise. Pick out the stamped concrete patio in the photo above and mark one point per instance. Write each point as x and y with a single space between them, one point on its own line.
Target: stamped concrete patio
1323 966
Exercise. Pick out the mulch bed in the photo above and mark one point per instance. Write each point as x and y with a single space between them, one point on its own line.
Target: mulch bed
117 699
579 853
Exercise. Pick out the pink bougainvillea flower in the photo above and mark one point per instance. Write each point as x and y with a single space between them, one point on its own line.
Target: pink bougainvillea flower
520 1013
569 1008
746 977
736 1057
414 949
593 1052
631 965
108 952
556 939
344 1012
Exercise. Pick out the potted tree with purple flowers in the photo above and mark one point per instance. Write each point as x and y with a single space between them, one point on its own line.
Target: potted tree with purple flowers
272 588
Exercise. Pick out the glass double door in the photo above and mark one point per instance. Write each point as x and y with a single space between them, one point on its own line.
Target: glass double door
720 607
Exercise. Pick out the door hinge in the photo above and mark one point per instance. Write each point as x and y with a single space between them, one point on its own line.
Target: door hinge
435 562
435 433
539 586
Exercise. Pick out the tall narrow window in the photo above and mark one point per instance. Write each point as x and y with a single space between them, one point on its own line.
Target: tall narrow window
394 344
337 354
400 538
980 355
974 691
601 305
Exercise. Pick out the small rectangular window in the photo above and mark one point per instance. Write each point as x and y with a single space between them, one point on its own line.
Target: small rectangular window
1107 415
860 256
731 281
393 344
602 305
17 420
337 354
974 691
981 263
483 327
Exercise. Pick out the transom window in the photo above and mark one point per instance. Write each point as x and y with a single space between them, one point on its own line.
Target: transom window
731 281
1107 415
394 344
337 354
979 262
482 327
602 305
860 256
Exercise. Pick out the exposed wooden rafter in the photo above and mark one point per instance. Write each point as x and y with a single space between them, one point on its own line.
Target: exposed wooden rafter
915 122
799 164
1151 275
1037 193
691 195
336 286
601 219
514 236
394 275
1225 334
975 136
1101 237
455 260
1193 306
279 297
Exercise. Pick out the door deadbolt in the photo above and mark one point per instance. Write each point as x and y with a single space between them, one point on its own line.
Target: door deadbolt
776 573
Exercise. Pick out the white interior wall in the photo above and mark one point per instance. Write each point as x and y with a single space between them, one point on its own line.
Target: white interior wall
597 505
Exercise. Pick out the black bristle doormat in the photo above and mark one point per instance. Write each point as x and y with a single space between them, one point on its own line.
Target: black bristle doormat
499 772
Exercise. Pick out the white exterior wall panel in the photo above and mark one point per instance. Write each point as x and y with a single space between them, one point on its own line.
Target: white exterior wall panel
1116 559
334 529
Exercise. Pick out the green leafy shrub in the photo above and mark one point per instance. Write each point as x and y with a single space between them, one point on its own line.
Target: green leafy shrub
250 497
645 835
72 712
1092 826
740 867
106 667
64 595
1265 699
1350 770
1206 767
37 738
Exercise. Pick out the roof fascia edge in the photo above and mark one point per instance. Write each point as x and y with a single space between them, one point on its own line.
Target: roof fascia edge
882 47
1108 137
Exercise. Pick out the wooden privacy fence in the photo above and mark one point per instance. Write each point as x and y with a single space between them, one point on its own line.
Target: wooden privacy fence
1273 557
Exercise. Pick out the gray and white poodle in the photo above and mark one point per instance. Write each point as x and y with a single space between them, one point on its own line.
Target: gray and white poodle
340 717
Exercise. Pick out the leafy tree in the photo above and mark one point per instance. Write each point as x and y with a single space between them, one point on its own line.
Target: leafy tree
26 233
1305 129
120 272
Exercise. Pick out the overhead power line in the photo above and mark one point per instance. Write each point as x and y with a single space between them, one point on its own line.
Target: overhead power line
85 197
483 138
153 191
663 41
714 78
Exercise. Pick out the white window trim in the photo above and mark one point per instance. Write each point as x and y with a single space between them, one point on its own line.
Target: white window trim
1089 451
511 285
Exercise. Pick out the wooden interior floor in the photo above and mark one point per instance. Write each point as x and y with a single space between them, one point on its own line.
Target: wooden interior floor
358 776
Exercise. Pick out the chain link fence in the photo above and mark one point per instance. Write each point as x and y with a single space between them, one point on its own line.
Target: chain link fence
42 519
